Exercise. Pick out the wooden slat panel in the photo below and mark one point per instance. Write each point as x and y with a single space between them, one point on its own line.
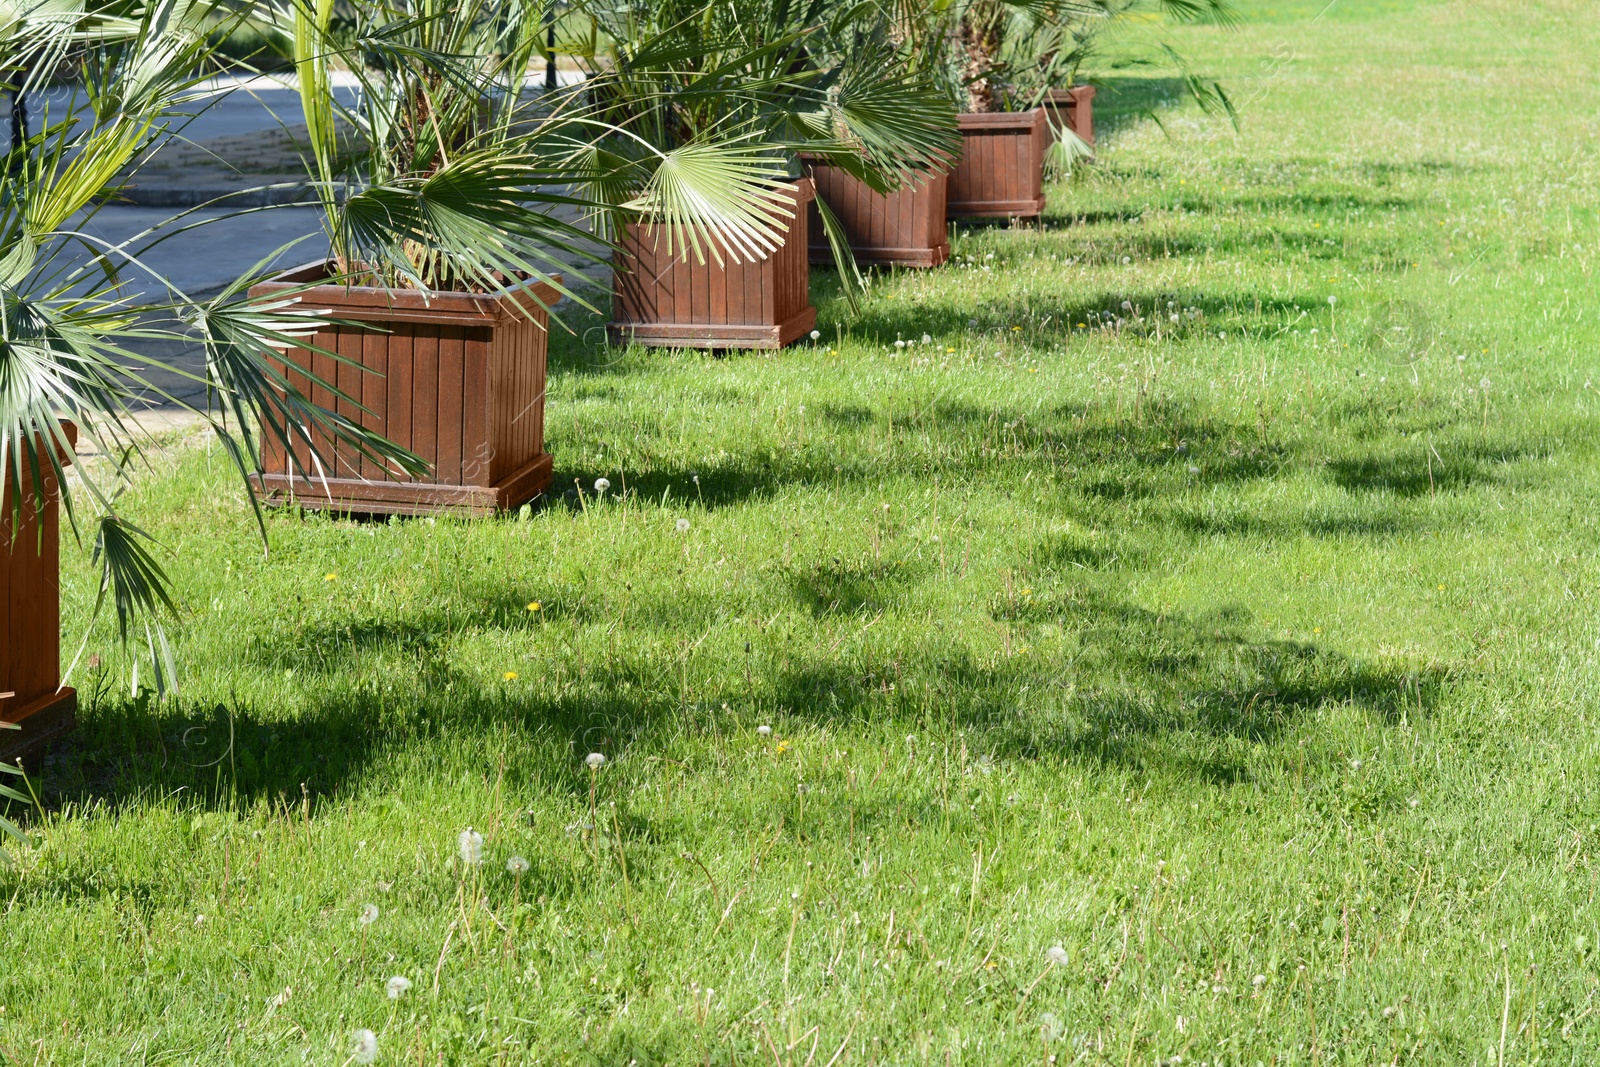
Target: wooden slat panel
401 382
327 370
425 397
30 599
476 449
452 359
352 379
374 394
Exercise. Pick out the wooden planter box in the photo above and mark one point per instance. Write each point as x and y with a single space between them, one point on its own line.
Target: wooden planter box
676 301
460 382
1072 109
1001 173
904 228
30 624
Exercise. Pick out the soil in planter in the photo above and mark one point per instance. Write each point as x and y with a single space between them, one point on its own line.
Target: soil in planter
456 378
905 228
674 300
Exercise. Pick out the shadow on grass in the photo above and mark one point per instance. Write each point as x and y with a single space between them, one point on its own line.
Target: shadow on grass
1158 692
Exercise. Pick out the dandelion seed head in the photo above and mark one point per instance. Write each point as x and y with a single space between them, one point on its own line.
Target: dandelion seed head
594 761
926 339
1057 955
364 1047
469 844
816 334
682 525
899 344
1259 980
764 730
517 865
369 914
397 987
602 484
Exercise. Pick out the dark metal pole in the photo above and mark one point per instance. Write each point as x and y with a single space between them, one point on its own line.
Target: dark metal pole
550 44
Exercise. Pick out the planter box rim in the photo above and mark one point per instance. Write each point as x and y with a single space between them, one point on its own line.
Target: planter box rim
378 303
1002 120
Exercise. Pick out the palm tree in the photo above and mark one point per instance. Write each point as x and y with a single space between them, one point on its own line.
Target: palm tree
1002 55
78 332
714 104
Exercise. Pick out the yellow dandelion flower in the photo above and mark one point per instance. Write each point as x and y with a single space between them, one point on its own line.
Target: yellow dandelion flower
534 605
330 577
783 746
1017 328
510 676
1441 589
1316 629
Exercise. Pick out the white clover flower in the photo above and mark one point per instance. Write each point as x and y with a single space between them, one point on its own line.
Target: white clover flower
365 1047
469 843
1057 955
517 865
764 731
369 914
602 484
682 525
595 761
397 987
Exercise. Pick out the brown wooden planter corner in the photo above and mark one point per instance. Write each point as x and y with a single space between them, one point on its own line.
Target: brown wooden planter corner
905 228
31 693
677 301
1072 109
1001 173
460 382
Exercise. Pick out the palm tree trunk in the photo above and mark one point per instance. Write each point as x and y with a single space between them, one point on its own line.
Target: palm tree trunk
981 32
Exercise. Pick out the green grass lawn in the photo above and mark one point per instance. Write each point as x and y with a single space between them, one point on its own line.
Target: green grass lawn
1210 597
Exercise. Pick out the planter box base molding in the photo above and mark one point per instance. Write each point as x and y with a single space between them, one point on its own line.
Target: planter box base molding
42 722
